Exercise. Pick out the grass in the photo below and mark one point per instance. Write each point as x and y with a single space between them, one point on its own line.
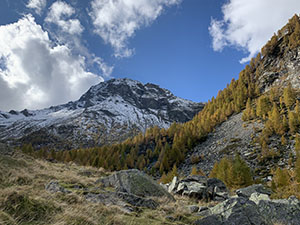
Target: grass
24 200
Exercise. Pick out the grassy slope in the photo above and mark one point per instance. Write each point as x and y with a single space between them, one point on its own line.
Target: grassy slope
24 200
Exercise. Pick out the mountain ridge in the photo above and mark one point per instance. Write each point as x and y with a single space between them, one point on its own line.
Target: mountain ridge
117 109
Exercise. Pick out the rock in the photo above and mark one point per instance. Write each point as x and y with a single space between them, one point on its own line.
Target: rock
285 211
121 199
195 190
256 197
196 178
216 190
135 182
238 211
173 185
181 187
170 218
137 201
210 220
258 188
193 208
202 208
200 187
54 186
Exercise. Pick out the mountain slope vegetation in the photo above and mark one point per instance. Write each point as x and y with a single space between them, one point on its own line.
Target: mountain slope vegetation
267 92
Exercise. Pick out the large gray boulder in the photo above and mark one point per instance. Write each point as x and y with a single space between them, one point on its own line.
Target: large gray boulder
259 209
283 211
255 188
200 187
134 182
121 199
235 211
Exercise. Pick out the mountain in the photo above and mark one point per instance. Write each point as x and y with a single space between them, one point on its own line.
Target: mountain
265 140
108 112
255 121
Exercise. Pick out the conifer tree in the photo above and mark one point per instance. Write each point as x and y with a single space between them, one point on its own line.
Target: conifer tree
289 96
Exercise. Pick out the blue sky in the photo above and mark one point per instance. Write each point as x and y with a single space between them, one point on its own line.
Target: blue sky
52 51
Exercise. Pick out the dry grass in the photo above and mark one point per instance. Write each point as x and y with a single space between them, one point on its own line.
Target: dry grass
24 200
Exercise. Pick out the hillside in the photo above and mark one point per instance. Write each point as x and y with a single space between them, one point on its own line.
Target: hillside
108 112
264 98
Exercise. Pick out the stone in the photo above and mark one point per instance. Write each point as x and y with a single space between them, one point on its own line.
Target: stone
283 211
210 220
238 211
193 208
54 187
121 199
203 208
216 190
137 201
258 188
195 190
181 187
173 185
256 197
196 178
134 182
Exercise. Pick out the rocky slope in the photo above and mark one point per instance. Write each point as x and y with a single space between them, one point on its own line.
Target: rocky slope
278 69
108 112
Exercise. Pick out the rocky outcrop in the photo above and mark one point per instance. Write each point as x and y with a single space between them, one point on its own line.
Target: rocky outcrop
128 189
199 187
256 209
255 188
134 182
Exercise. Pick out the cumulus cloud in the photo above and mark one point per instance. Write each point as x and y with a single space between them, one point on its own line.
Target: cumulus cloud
37 5
248 25
117 20
60 13
35 72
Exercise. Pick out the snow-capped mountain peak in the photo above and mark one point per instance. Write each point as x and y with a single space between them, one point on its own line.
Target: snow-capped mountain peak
108 112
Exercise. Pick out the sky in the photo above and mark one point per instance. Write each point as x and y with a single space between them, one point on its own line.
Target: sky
52 51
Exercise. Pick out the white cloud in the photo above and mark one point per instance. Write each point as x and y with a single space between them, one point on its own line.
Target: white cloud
117 20
59 14
248 25
35 72
37 5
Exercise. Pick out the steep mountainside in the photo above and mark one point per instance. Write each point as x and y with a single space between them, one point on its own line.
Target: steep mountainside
108 112
252 137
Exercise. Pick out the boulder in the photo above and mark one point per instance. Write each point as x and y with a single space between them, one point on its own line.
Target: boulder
121 199
283 211
258 188
216 190
200 187
195 190
195 178
134 182
235 211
